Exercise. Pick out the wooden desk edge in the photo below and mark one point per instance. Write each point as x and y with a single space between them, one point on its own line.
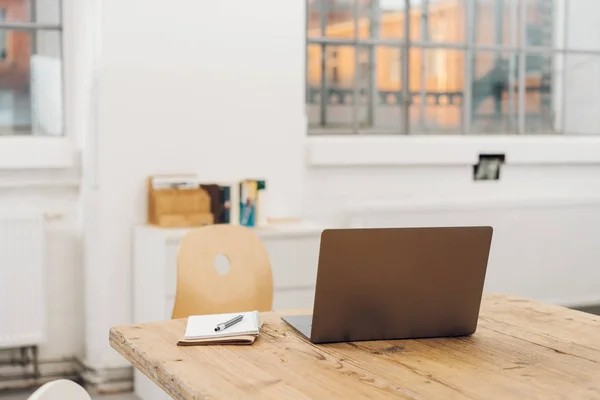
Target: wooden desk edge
118 342
124 341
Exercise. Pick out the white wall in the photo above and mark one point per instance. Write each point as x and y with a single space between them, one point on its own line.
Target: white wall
544 248
207 87
548 252
330 190
210 88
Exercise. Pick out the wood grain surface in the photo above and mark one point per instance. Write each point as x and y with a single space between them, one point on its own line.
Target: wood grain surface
521 350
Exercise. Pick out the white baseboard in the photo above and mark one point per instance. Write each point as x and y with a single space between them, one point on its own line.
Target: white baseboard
95 380
15 377
107 380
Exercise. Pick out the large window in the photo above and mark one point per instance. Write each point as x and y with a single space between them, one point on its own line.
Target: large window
31 89
453 66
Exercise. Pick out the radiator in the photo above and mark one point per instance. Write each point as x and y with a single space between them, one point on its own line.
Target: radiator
547 248
22 281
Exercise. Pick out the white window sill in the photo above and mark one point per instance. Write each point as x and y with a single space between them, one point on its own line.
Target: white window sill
349 151
36 152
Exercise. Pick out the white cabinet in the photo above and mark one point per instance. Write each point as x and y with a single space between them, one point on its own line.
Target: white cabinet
293 252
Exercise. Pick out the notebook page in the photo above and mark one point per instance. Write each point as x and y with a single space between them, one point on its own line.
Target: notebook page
203 326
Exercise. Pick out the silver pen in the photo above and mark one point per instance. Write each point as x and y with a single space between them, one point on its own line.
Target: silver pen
229 323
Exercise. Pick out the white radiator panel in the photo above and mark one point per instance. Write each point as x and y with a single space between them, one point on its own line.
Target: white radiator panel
547 249
22 278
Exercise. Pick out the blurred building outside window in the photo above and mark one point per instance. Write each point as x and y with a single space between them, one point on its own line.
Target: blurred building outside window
448 67
31 77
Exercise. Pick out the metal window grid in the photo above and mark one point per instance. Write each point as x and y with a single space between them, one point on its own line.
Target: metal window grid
34 27
517 46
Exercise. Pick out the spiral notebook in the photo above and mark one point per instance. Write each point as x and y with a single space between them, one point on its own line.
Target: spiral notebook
200 329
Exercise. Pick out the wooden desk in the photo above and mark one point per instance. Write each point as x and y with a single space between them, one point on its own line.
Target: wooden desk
521 350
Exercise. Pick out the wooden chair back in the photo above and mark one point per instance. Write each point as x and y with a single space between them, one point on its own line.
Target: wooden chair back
60 389
201 289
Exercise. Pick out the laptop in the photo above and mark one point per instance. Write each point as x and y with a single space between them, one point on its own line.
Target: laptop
397 283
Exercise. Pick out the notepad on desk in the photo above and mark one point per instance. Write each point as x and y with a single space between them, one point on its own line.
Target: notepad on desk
201 329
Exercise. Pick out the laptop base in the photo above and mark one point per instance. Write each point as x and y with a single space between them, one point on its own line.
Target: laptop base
301 323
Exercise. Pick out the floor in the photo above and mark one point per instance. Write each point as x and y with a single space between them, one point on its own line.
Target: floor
25 395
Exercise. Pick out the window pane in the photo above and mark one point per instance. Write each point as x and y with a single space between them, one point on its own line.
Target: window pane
541 109
42 11
46 11
313 84
392 15
437 88
313 18
496 22
582 25
494 92
337 15
582 94
339 18
388 102
541 22
31 83
339 77
438 21
369 19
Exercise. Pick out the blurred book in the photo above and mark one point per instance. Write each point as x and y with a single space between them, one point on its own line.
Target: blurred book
220 195
225 199
248 198
251 192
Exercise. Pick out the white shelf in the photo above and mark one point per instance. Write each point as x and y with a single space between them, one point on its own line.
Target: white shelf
270 231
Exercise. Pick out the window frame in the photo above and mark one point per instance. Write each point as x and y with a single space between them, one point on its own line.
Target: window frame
45 152
450 150
334 149
518 61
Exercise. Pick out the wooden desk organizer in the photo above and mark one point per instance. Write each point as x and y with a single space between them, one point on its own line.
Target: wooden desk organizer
178 207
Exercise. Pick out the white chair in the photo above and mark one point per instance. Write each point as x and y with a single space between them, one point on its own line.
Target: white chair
61 389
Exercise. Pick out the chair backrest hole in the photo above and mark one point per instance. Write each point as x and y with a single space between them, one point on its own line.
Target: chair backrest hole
222 264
